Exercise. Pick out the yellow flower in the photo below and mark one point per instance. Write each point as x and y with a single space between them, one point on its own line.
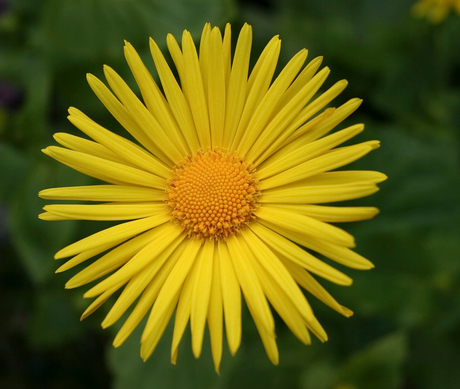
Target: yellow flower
221 193
435 10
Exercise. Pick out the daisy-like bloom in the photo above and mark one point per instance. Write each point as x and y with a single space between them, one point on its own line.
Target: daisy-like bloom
435 10
220 190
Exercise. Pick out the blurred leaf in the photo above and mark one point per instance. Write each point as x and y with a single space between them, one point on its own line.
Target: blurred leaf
35 240
377 366
130 372
53 321
406 299
14 167
95 29
319 375
434 359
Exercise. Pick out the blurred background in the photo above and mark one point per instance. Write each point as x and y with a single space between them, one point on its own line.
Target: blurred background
405 333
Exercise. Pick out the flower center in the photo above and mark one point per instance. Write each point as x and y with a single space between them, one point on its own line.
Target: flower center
213 194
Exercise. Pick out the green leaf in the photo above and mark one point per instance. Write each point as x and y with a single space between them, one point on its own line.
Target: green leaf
130 372
53 321
35 240
14 168
377 366
95 29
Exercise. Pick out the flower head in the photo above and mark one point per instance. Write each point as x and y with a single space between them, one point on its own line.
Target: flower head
220 189
435 10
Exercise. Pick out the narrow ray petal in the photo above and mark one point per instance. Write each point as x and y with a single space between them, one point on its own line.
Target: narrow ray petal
148 345
231 298
257 87
106 211
153 98
306 281
86 146
113 235
283 246
329 161
303 224
122 147
148 297
97 303
250 285
332 214
195 88
286 159
216 89
226 52
278 125
119 112
167 234
176 98
143 117
171 287
95 165
103 193
236 93
184 308
82 257
215 314
278 273
201 295
138 283
264 110
111 260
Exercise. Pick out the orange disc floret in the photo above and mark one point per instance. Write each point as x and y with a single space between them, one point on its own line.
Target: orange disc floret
213 194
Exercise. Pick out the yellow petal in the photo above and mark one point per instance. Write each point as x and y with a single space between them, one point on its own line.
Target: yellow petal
306 281
231 298
329 161
196 95
302 224
95 166
82 257
184 308
171 287
138 283
250 284
111 260
165 236
258 84
149 344
116 234
216 89
282 278
227 53
215 319
201 295
153 98
125 211
148 297
294 253
289 157
236 93
332 214
176 98
86 146
103 193
122 147
97 303
264 110
166 149
276 129
120 113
